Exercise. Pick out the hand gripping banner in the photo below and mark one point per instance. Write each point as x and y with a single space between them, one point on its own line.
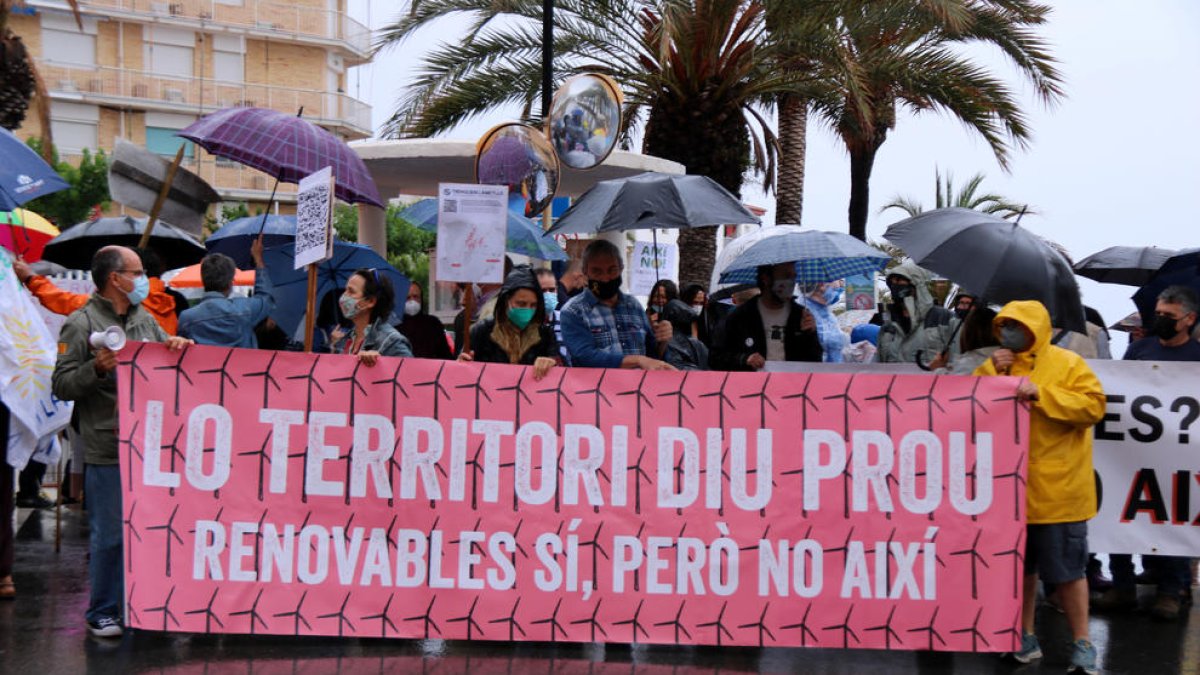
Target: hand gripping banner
309 494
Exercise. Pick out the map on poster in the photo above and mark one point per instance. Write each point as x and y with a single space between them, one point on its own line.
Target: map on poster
471 232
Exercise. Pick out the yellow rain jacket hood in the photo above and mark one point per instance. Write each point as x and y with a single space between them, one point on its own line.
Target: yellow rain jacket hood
1061 487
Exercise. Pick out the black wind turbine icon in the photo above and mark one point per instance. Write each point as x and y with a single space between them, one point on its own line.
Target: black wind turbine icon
133 451
802 626
847 402
179 373
1017 404
805 402
976 404
268 379
634 623
252 612
681 399
1017 552
312 382
640 397
847 632
761 625
888 404
223 376
973 630
763 401
207 610
552 621
931 402
931 629
131 534
298 615
477 385
397 388
591 620
438 391
677 623
1018 481
639 474
165 610
976 559
513 625
355 387
340 615
598 392
519 394
560 397
888 633
722 401
169 528
261 453
426 619
469 619
718 624
135 371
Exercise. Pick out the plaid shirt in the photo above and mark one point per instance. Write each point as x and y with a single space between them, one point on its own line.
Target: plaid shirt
597 336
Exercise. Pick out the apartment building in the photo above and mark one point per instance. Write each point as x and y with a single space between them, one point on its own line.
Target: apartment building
143 69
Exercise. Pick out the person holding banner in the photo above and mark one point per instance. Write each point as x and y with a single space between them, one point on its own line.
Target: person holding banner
517 333
605 328
85 374
367 303
770 327
914 325
1065 401
424 331
1170 339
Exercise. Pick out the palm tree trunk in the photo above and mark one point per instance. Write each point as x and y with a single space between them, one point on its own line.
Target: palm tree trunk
793 141
862 160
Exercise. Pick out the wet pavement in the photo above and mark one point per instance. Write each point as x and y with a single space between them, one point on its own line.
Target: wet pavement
42 633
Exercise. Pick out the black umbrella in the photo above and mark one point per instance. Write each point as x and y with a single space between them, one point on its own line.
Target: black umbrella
1126 265
1181 269
77 244
997 259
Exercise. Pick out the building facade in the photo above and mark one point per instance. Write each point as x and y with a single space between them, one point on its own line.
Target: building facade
143 69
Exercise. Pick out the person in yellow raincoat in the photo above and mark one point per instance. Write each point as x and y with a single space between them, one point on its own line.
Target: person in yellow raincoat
1065 401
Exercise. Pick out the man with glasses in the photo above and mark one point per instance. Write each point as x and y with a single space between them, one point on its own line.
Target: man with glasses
225 321
85 375
1169 338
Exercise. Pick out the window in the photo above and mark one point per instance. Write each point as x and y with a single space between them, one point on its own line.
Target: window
74 126
160 134
70 45
229 58
169 51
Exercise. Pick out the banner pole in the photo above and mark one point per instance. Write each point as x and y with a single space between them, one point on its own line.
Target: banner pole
162 197
468 309
310 308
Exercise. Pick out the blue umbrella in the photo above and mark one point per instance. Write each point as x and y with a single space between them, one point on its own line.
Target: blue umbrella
819 256
291 285
234 238
24 175
1182 269
524 236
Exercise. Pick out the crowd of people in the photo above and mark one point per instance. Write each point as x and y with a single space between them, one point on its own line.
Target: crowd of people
583 318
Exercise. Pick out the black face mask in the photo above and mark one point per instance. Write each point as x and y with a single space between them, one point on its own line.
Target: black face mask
961 313
1164 328
899 293
604 290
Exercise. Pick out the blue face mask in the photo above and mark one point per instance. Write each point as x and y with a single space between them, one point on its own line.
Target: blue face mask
833 295
551 300
140 291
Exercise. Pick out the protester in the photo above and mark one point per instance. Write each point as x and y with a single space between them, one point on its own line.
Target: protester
976 342
549 290
166 304
1174 318
483 308
684 352
962 304
914 325
693 296
518 332
86 376
572 282
662 292
424 331
1065 400
367 302
29 487
270 336
226 321
1094 344
820 299
770 327
605 328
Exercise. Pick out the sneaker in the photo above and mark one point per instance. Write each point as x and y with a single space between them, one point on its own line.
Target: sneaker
1030 649
38 501
1083 658
1116 599
106 627
1097 582
1166 608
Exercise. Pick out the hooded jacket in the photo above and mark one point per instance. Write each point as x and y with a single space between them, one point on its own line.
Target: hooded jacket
930 327
496 339
1061 487
683 351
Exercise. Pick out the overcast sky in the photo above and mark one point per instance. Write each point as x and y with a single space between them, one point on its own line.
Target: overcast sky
1116 162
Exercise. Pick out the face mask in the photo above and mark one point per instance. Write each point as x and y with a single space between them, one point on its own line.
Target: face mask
550 298
1014 338
655 309
696 309
833 295
412 307
961 313
605 290
348 305
784 289
1164 328
521 316
140 290
901 293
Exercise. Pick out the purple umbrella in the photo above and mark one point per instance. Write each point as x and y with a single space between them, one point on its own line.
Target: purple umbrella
506 162
285 146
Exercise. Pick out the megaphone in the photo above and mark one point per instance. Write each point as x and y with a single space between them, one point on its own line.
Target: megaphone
111 338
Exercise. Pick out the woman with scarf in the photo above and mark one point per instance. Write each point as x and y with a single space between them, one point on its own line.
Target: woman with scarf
517 333
367 303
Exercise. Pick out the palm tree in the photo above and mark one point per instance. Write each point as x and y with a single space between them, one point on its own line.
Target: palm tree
968 198
696 76
909 54
20 82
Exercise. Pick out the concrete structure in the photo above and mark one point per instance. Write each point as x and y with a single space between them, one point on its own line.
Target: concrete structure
143 69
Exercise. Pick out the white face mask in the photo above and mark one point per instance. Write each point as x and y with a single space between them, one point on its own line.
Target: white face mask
412 307
784 289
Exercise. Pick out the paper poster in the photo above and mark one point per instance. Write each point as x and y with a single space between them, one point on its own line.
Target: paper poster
314 218
649 264
860 291
472 225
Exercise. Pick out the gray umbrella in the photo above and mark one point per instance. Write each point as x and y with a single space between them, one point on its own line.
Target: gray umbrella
996 258
77 244
652 200
1125 265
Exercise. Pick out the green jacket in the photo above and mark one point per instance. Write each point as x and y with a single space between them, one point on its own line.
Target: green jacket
929 330
75 378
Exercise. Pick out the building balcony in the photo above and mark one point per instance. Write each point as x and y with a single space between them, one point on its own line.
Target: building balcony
122 87
269 20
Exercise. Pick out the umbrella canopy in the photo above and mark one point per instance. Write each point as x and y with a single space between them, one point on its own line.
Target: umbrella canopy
738 246
1126 265
285 146
77 244
25 233
291 285
24 175
189 277
652 200
996 258
819 256
523 237
235 237
1181 269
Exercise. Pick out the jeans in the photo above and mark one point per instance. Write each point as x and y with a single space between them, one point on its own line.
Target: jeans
102 488
1174 573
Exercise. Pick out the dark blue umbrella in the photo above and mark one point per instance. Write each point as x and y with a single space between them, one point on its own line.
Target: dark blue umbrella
24 175
1182 269
819 256
235 237
523 236
291 285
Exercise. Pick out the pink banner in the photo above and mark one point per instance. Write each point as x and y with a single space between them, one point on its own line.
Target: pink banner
307 494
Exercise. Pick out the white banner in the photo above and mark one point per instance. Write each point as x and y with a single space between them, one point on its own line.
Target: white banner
472 226
650 264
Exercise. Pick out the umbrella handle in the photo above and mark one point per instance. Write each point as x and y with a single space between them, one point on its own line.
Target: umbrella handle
262 226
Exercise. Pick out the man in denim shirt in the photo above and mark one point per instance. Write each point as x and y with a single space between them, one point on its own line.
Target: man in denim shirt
605 328
224 321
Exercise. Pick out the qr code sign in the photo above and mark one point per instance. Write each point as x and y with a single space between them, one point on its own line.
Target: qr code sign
449 206
312 218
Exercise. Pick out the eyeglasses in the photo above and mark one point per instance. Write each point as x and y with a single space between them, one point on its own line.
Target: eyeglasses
135 273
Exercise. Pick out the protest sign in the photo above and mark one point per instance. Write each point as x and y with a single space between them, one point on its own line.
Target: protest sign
472 226
313 495
652 262
314 219
860 292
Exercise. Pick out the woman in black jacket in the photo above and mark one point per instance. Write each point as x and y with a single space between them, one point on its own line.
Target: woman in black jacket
517 333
